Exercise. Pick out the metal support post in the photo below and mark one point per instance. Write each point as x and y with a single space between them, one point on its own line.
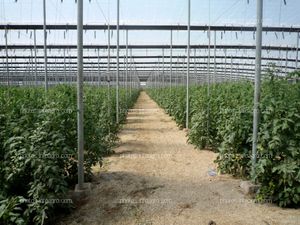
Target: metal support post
6 52
65 67
99 73
188 65
171 58
35 58
297 51
118 58
257 82
126 73
80 94
45 46
215 53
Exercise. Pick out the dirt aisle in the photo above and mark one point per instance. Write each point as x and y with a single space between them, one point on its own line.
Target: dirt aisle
156 178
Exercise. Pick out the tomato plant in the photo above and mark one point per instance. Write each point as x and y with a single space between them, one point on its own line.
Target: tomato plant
222 122
38 146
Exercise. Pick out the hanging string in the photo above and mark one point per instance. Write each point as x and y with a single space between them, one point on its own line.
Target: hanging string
280 9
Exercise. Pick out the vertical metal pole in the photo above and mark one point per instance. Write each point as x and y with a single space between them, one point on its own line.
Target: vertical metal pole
108 70
55 72
26 77
208 82
155 75
124 74
208 62
231 68
130 75
183 69
70 69
15 70
188 65
238 76
35 58
286 60
80 93
225 65
198 67
99 74
108 59
31 62
118 58
215 53
6 52
195 76
280 62
158 73
65 68
171 58
297 51
257 82
45 45
177 72
163 67
126 78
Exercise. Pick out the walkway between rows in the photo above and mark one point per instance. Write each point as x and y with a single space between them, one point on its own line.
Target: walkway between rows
156 178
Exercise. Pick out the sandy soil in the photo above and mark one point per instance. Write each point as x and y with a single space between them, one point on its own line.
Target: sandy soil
156 178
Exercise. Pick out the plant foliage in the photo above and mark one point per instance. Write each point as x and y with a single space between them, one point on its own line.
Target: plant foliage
38 146
222 121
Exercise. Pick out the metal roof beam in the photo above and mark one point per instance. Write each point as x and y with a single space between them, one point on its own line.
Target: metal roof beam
146 27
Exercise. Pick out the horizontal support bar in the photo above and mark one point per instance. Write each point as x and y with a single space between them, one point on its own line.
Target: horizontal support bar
148 57
234 47
145 27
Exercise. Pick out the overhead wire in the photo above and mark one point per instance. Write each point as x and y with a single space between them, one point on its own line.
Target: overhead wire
102 12
280 9
226 10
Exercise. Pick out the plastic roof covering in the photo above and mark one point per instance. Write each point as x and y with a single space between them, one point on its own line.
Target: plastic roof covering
155 12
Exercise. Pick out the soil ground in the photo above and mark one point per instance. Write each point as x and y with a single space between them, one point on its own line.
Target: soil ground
156 178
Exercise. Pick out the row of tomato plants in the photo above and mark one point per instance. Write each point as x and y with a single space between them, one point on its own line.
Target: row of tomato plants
222 122
38 146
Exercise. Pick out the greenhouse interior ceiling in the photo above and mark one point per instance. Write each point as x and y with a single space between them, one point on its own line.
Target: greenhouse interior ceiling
222 41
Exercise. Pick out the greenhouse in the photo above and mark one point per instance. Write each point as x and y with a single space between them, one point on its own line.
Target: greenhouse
130 112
